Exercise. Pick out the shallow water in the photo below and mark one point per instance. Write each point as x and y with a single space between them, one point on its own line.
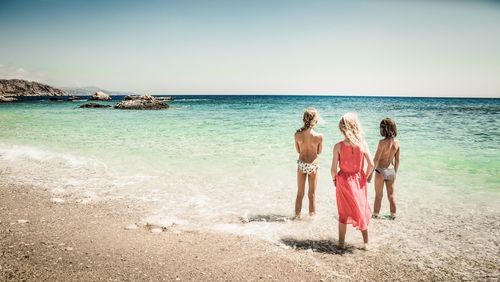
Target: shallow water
211 160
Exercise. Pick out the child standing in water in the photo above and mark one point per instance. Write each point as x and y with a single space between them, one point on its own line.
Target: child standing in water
350 181
309 145
386 165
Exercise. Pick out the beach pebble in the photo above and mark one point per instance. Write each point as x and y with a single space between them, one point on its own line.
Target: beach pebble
69 249
57 200
156 230
22 221
131 227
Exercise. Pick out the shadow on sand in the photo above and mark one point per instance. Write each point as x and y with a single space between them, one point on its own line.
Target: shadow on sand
266 218
384 217
319 246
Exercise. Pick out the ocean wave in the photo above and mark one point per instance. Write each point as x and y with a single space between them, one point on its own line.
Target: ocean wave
19 152
191 100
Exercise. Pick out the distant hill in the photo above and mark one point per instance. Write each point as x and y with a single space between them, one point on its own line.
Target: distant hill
19 87
89 90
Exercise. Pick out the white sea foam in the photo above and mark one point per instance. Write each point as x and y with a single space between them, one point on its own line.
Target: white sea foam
244 203
190 100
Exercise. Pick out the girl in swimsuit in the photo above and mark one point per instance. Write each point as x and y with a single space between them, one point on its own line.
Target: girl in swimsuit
309 145
386 166
349 178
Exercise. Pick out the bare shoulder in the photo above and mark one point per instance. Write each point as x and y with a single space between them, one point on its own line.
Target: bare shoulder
298 134
336 147
319 136
396 142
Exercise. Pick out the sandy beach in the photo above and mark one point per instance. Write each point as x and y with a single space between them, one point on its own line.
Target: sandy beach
70 241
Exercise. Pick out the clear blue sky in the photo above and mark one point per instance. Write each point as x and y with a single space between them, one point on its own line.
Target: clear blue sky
399 47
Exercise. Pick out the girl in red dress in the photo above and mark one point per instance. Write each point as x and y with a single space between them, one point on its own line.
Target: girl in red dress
350 180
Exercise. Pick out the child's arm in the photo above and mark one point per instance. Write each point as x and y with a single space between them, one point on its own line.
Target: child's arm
335 163
297 147
396 159
375 161
377 154
320 145
319 149
369 160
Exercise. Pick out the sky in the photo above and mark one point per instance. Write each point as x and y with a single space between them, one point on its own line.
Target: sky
448 48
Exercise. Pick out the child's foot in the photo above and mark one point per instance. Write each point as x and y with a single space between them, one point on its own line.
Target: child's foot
341 245
312 214
298 217
375 215
393 216
366 247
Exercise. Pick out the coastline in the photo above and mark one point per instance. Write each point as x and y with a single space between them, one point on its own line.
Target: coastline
72 241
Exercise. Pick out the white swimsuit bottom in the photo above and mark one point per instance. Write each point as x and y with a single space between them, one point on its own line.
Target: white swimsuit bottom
387 173
307 167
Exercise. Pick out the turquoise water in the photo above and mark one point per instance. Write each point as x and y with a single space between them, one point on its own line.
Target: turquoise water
212 159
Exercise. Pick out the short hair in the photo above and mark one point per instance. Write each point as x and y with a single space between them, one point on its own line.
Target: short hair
388 128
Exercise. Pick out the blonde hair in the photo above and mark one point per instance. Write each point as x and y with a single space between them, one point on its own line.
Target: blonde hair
351 128
310 119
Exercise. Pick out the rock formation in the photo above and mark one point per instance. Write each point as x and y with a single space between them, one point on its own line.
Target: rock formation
139 97
142 102
94 105
100 96
19 87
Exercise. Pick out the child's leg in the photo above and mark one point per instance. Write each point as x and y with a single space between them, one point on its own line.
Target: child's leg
301 184
379 192
365 238
390 194
313 183
342 231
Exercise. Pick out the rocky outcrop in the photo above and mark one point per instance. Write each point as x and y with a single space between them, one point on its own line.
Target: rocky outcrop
100 96
142 102
19 87
139 97
7 99
74 98
94 105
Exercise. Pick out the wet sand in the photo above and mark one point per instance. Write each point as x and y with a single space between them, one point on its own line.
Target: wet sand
71 241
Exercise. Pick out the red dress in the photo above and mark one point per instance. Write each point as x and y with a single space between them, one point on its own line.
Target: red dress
352 192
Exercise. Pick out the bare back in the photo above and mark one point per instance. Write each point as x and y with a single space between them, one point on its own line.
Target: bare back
387 153
309 145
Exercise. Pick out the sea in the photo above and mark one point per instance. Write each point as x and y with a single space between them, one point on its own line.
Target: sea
228 163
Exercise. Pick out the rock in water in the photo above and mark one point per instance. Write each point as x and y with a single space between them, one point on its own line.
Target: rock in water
94 105
142 102
7 99
139 97
100 96
74 98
